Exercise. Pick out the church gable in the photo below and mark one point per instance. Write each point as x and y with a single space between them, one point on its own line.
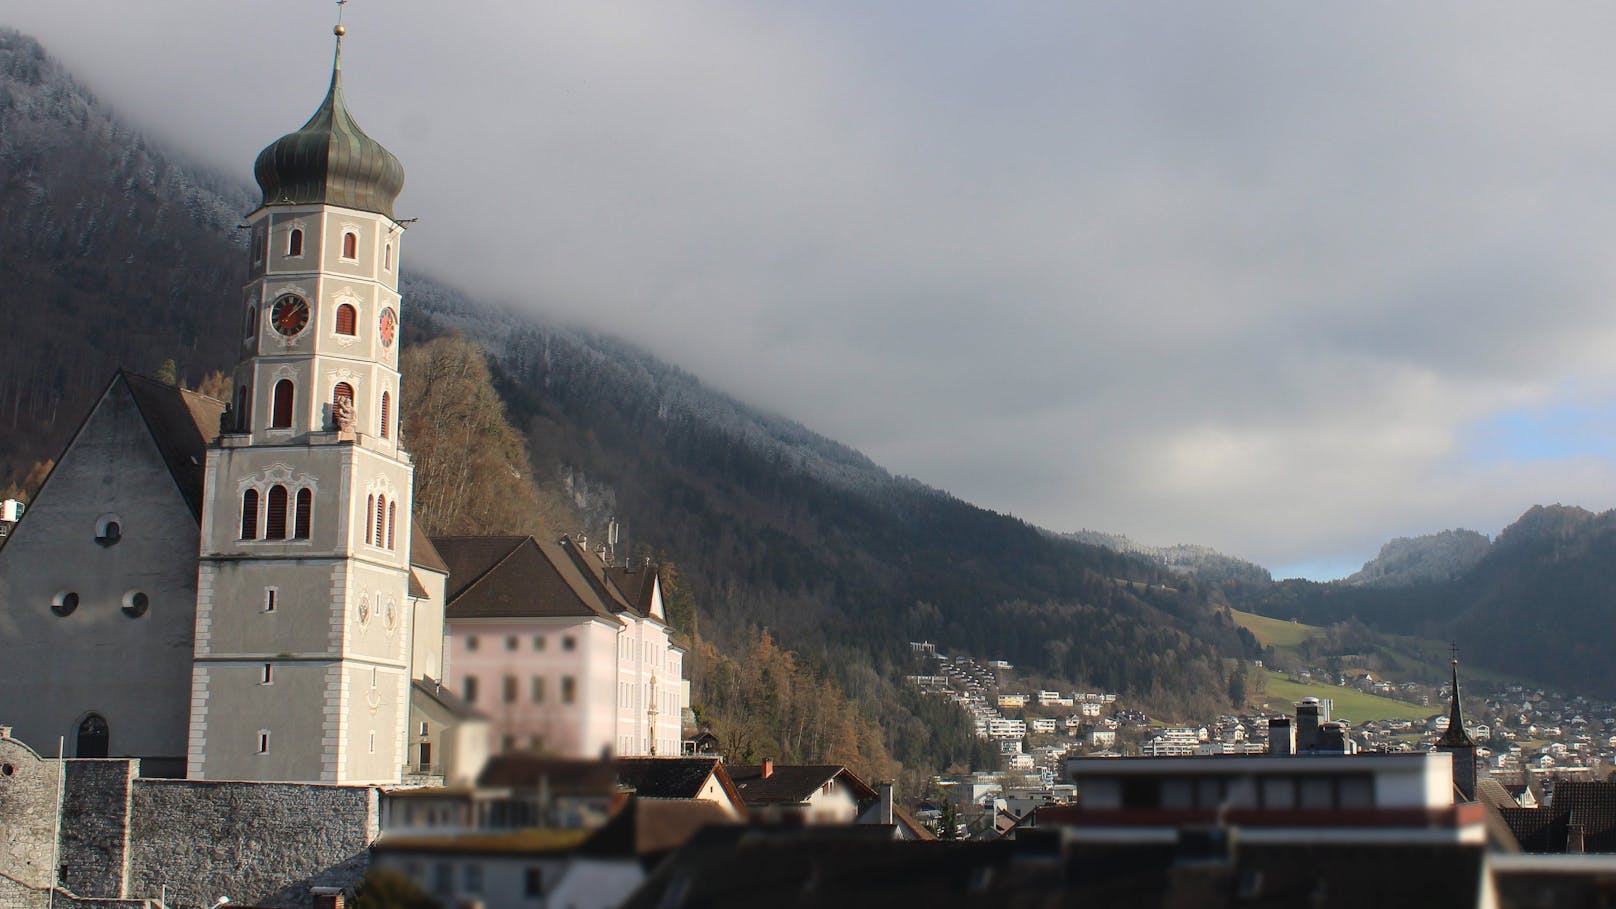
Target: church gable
98 587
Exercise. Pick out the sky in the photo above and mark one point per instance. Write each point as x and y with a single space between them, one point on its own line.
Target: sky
1283 279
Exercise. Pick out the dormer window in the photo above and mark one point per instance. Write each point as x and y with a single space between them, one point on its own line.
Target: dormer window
350 245
294 242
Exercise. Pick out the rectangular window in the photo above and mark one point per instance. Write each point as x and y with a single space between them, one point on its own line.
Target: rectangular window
569 689
423 729
265 678
470 693
538 689
533 882
510 642
442 878
569 643
471 642
263 741
269 598
538 642
473 875
507 743
510 689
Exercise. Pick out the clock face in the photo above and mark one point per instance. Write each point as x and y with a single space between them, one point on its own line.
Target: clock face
290 314
389 326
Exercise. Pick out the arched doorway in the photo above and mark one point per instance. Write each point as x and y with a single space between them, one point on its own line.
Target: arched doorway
93 737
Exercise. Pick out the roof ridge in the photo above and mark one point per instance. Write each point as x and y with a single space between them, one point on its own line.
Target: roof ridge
486 572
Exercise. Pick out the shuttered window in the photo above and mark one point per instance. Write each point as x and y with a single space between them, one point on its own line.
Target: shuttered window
392 515
249 515
275 517
347 319
387 413
370 509
305 513
381 514
350 245
282 416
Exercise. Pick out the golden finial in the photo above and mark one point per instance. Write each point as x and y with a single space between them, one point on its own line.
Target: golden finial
339 29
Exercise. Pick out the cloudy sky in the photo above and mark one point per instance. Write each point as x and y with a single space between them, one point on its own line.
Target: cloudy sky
1286 279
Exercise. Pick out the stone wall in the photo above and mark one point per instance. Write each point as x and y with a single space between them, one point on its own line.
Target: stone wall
261 844
95 827
28 794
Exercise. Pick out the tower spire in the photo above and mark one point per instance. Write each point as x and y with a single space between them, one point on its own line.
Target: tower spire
1455 734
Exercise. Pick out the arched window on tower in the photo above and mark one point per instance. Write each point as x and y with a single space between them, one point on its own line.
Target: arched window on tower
282 416
249 515
304 514
342 392
275 514
252 321
381 514
347 319
370 511
387 256
350 245
392 514
294 242
243 418
387 413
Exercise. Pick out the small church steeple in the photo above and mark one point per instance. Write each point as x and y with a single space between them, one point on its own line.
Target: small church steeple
1456 742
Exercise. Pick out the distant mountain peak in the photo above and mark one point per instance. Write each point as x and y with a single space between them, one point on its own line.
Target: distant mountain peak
1421 560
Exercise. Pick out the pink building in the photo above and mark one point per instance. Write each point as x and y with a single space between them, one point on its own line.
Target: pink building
563 653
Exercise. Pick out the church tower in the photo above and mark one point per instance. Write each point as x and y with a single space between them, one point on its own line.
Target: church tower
1457 742
302 659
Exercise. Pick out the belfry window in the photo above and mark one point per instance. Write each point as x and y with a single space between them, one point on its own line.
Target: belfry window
387 256
392 515
381 510
275 516
347 319
252 321
387 412
294 242
249 515
282 416
350 245
304 514
370 509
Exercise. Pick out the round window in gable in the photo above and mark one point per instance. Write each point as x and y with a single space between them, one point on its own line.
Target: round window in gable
64 603
135 604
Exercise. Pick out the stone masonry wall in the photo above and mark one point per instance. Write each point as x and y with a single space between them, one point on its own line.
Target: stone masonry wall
261 844
28 793
95 827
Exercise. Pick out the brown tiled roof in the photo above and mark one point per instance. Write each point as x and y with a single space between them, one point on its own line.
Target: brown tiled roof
447 700
637 585
667 777
1590 807
593 572
518 770
1492 793
516 577
1536 829
183 423
793 783
652 826
422 553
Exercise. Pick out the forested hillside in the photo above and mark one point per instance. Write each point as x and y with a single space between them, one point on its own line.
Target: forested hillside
131 258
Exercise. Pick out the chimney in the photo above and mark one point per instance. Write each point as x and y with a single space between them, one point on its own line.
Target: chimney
1332 738
1575 844
1281 737
768 767
884 812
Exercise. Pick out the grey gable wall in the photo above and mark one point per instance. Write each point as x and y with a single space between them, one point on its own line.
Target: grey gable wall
136 672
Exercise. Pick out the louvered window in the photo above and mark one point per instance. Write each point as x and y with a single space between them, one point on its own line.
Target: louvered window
252 321
347 319
370 509
249 515
282 417
305 514
275 518
387 413
381 515
392 515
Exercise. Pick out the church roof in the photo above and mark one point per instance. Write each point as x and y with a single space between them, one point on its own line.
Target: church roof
183 423
330 160
518 577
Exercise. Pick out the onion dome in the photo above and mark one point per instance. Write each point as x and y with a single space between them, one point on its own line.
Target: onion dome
330 160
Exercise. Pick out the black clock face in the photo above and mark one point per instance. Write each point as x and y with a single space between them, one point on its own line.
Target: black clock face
290 314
